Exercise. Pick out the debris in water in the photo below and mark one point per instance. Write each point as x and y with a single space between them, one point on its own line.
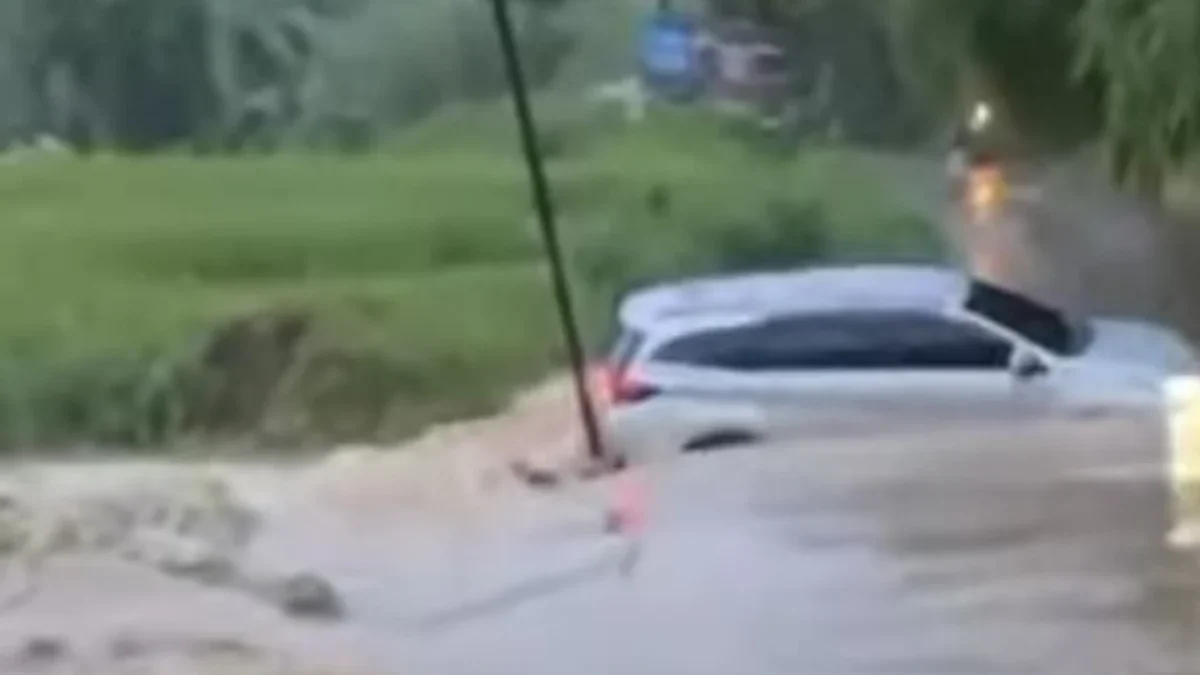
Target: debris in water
43 649
310 596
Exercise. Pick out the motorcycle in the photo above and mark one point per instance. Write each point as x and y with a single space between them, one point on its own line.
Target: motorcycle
984 184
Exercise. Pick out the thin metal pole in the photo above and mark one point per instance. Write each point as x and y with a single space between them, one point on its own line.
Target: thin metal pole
544 205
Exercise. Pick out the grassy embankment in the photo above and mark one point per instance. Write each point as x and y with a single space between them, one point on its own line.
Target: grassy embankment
298 299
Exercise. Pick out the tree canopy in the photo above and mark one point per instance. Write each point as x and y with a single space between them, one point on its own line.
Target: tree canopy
1065 71
239 73
1075 70
1142 50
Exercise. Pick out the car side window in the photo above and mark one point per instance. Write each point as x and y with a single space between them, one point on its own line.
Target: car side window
936 342
843 340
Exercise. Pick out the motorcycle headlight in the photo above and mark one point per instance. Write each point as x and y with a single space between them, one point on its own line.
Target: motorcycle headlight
981 117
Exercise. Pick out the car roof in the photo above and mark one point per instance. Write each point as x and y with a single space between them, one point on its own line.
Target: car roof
748 297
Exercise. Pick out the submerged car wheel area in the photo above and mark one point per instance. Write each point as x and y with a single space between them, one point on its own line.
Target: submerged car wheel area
721 440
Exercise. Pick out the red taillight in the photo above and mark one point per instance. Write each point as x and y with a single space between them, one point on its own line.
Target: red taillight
618 386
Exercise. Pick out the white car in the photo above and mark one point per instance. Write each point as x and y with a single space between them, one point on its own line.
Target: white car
725 360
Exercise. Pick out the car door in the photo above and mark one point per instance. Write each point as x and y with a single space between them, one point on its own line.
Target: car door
703 388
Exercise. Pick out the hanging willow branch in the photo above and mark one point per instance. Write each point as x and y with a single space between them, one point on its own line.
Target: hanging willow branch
1142 49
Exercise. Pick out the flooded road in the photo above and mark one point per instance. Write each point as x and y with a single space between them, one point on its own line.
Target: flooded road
1037 548
1000 548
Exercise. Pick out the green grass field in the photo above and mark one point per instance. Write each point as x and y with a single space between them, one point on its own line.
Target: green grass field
299 299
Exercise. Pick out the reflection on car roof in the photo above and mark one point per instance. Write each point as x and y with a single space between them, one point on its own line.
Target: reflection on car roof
804 290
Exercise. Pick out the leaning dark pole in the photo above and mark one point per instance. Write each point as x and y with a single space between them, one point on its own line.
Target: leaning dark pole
544 205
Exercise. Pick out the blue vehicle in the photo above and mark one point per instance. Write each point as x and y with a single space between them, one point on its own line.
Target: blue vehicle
669 59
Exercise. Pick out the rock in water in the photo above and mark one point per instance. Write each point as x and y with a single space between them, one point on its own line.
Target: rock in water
41 653
309 596
45 648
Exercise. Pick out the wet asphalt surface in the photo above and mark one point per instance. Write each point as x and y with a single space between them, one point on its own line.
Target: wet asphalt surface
1005 548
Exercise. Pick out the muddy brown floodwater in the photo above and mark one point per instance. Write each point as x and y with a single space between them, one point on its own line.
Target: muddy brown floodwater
1030 548
1035 547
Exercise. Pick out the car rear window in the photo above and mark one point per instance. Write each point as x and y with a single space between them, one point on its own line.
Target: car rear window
843 340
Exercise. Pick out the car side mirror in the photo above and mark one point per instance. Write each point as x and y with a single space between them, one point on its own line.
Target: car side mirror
1025 366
